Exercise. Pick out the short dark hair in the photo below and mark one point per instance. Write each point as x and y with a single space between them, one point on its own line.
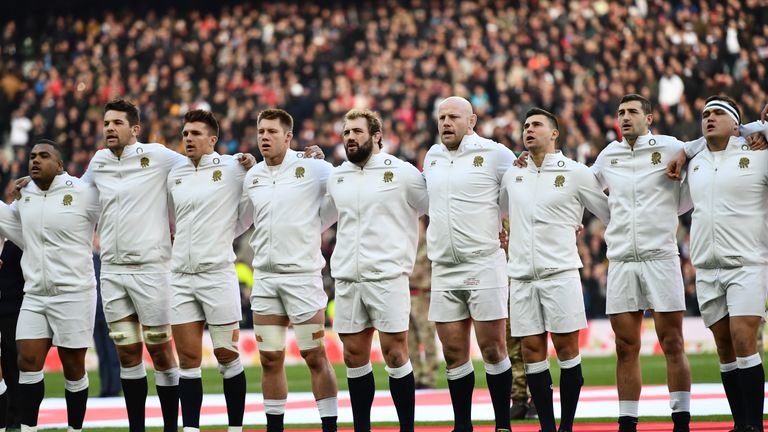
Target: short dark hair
645 104
56 147
726 99
203 116
371 117
551 117
285 119
126 106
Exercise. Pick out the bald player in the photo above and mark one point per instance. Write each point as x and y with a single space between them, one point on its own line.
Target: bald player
469 281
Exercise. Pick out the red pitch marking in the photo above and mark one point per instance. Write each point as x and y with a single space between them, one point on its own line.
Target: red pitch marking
578 427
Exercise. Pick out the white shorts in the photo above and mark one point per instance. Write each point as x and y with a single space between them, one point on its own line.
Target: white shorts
67 319
210 296
480 305
146 294
551 305
384 305
489 272
638 286
297 297
737 291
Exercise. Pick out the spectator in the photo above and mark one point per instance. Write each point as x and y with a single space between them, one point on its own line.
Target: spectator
11 296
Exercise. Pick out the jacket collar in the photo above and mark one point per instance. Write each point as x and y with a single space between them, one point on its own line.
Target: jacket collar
550 161
642 141
465 142
208 159
63 180
375 160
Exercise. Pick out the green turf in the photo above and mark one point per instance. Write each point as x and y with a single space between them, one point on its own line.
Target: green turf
717 418
598 371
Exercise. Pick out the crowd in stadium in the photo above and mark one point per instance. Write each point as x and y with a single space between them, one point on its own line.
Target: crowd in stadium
575 59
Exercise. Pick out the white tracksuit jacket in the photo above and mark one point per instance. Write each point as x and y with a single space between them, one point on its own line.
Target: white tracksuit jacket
644 202
134 227
205 202
546 206
286 212
378 208
464 218
730 216
56 228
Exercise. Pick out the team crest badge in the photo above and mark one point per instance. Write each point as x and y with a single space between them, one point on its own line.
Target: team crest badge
744 163
478 162
144 162
559 181
67 201
655 158
299 172
216 175
388 176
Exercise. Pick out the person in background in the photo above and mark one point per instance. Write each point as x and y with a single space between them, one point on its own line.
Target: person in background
421 331
11 296
109 364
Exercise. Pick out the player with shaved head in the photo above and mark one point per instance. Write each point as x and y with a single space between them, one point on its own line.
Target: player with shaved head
469 278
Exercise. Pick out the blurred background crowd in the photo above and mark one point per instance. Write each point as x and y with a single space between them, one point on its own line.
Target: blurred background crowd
575 58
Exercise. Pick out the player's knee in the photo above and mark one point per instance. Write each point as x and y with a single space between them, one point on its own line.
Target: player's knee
454 356
224 339
493 352
224 355
29 361
673 345
355 357
162 356
125 333
627 349
309 336
725 353
272 360
157 335
188 359
395 356
315 359
270 338
73 371
744 344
